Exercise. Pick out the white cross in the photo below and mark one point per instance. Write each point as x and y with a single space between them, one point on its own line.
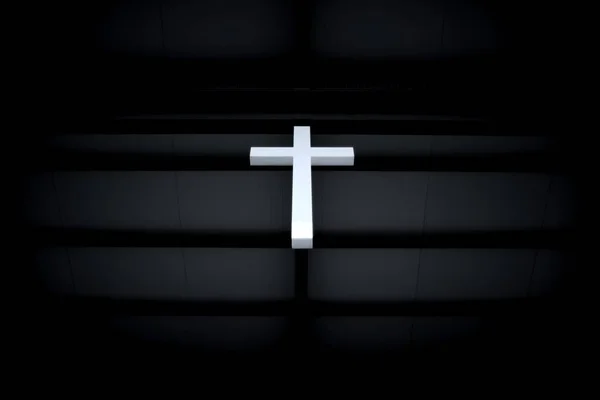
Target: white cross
301 157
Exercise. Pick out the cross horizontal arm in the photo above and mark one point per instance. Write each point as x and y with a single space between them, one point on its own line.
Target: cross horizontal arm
271 156
332 156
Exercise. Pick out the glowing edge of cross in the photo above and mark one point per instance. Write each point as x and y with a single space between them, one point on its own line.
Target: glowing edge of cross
302 222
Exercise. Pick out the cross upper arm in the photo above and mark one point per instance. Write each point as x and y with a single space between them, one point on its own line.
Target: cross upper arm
332 156
271 156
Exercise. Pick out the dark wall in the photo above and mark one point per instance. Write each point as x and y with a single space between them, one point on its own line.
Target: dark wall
410 202
435 57
470 51
267 28
329 28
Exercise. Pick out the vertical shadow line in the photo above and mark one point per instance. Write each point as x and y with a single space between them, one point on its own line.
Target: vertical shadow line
181 248
301 277
424 222
443 26
537 250
62 223
299 327
162 26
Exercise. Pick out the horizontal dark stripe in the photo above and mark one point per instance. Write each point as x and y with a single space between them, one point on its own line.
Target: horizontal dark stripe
94 306
140 238
451 239
313 117
446 85
454 239
283 123
101 305
428 308
140 162
183 100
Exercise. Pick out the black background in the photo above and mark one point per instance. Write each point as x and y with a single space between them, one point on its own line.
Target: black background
466 166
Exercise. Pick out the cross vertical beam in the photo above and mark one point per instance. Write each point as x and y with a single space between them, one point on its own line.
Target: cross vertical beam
302 224
302 157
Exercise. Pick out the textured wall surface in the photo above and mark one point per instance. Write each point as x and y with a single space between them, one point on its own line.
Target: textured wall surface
344 201
404 57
